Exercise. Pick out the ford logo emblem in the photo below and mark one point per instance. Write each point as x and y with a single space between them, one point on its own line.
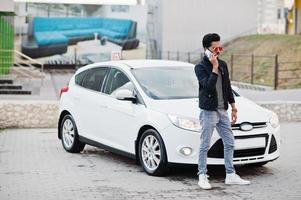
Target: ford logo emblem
246 126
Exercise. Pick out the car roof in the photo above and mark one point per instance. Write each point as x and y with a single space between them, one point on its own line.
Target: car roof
137 64
134 64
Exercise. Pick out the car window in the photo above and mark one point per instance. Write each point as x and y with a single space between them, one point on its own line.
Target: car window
167 82
117 80
94 78
79 77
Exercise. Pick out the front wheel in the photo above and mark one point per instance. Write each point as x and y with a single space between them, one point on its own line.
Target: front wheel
69 135
152 153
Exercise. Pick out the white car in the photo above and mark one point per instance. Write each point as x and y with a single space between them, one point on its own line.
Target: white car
148 110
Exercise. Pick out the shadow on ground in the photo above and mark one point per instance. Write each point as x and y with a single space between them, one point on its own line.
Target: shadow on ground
186 174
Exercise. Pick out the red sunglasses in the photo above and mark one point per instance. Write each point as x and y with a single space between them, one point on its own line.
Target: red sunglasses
218 49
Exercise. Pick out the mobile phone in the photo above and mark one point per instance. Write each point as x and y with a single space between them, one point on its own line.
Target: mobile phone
208 53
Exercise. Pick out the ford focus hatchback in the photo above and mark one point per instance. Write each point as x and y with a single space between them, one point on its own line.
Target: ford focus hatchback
148 110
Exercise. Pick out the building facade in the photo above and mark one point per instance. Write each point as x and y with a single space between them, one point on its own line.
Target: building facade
294 18
180 25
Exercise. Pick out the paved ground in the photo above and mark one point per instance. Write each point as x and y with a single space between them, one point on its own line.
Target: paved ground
33 165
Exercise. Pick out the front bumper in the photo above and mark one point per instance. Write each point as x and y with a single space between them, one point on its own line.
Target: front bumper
176 138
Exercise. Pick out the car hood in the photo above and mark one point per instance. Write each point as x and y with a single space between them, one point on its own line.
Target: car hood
248 111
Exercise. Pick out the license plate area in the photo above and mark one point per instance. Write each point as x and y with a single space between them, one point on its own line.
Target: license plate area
250 143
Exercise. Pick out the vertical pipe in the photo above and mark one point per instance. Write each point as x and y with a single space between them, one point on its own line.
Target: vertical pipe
48 10
252 69
276 72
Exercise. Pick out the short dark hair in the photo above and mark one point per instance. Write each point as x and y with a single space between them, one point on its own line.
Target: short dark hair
209 38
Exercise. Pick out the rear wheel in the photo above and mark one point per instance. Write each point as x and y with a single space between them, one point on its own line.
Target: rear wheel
69 135
152 153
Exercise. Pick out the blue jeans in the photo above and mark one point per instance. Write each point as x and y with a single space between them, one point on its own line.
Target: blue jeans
220 120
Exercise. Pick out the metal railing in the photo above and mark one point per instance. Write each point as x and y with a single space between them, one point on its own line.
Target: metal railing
22 60
266 70
288 71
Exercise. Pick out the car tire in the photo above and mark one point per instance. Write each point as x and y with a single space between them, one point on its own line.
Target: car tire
152 153
69 135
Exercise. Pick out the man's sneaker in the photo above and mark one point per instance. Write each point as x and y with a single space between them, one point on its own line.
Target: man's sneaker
234 179
203 182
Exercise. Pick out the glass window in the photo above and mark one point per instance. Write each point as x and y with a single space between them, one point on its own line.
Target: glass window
94 78
117 80
168 82
79 77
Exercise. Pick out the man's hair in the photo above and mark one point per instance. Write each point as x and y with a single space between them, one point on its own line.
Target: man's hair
209 38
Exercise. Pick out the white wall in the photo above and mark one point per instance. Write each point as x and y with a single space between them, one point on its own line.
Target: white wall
21 27
185 22
6 5
268 21
93 2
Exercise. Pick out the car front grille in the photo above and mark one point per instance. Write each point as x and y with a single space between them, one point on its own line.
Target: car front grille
217 150
254 124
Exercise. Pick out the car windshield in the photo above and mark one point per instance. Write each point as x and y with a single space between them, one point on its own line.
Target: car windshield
168 82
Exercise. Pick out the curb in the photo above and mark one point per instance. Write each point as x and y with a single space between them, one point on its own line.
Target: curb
250 86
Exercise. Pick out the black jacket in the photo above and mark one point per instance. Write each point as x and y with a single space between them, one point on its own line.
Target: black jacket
207 84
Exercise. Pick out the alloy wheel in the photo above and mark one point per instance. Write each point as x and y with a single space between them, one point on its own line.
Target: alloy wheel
151 152
68 133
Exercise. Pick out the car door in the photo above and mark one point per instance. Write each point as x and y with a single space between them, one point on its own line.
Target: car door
123 117
75 94
91 106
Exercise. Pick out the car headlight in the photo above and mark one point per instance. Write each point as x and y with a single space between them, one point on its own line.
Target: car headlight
274 120
185 123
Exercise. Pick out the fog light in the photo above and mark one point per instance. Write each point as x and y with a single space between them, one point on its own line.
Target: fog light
186 151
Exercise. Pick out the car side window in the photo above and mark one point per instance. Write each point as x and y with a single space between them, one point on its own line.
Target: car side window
94 78
117 80
79 77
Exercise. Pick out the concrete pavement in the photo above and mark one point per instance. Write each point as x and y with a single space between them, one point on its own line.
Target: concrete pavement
33 165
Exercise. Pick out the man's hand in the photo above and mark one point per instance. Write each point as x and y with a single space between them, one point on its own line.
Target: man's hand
233 113
214 62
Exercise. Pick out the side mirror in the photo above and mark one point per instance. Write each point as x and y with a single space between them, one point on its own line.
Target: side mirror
235 88
126 95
